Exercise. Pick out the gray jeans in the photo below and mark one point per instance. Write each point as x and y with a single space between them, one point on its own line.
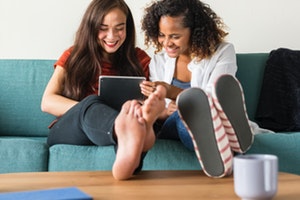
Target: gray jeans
90 122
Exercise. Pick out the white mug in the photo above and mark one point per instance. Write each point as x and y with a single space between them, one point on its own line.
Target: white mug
255 176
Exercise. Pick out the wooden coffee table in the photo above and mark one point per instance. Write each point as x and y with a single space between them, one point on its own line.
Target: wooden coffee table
147 185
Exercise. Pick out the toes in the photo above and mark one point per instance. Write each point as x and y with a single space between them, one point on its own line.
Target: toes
126 107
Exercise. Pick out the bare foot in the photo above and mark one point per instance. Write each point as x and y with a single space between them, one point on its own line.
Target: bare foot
130 129
134 132
153 106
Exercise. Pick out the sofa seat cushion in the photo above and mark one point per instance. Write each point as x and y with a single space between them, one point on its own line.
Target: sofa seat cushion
284 145
170 155
23 154
65 157
165 155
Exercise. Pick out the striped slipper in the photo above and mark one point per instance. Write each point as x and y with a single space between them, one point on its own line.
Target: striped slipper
229 101
207 132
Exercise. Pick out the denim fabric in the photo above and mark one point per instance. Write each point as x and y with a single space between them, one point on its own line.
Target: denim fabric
173 128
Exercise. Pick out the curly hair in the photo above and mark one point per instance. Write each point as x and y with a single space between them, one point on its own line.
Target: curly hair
207 29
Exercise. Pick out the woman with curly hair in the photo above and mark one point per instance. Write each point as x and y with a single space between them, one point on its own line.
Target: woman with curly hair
196 65
104 45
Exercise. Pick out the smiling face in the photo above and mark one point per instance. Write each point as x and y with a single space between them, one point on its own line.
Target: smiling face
173 36
112 32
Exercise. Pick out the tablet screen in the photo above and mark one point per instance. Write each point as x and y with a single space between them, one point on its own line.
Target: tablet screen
116 90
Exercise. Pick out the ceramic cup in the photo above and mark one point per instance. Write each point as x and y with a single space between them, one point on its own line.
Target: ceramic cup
255 176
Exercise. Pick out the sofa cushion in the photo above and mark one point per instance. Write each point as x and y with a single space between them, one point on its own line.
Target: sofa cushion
250 73
284 145
170 155
22 86
23 155
165 155
80 158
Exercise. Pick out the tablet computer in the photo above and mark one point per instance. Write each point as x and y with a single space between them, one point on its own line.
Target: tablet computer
116 90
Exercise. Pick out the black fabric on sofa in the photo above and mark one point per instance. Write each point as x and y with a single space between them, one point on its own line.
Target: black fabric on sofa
279 104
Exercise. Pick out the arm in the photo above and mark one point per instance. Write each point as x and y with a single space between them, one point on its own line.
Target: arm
172 91
52 101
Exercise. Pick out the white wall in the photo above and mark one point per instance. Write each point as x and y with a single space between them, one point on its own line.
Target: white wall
41 29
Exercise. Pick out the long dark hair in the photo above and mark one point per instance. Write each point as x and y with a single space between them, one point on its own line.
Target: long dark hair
207 29
84 62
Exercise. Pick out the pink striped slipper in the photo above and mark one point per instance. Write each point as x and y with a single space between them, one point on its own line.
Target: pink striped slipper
229 101
208 134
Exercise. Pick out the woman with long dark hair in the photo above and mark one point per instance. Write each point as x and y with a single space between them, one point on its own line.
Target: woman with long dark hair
104 45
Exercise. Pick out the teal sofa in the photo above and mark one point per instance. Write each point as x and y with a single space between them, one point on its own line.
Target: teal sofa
23 127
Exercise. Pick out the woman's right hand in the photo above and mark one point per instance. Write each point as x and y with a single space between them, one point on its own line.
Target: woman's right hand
147 87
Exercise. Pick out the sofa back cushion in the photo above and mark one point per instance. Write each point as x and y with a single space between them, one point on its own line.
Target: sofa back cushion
21 90
23 83
250 73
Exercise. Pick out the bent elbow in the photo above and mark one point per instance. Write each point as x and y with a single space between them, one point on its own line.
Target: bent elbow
44 106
